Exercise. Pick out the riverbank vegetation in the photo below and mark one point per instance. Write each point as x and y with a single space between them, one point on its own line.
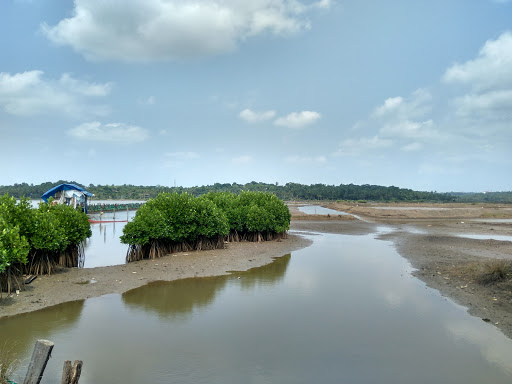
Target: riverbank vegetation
288 191
175 222
36 240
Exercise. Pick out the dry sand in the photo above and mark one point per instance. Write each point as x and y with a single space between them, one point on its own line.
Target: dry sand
428 238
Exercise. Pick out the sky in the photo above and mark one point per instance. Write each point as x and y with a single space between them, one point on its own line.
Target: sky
415 94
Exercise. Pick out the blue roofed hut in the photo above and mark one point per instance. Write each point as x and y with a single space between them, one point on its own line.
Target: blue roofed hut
69 194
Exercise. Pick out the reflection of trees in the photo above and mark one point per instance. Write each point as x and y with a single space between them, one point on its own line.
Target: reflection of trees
26 328
181 297
175 298
268 274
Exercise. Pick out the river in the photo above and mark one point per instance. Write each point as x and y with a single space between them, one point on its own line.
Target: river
344 310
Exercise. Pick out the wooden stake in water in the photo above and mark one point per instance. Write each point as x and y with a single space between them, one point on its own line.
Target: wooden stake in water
40 357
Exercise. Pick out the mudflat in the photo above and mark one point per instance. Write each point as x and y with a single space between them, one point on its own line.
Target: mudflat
433 237
447 244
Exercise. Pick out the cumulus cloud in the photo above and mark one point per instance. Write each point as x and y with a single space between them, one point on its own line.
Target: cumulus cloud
416 106
488 79
145 30
112 133
29 93
489 106
256 117
298 120
491 69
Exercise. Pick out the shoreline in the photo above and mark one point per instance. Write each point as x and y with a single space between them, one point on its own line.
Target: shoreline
435 247
75 284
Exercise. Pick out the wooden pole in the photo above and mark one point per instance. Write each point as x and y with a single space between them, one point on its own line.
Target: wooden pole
40 357
66 372
71 375
76 372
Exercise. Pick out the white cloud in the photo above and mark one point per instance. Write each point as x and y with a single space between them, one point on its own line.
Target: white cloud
390 105
398 121
29 93
256 117
356 147
417 106
151 100
245 159
178 159
298 119
306 160
487 104
182 155
145 30
113 132
407 129
412 147
490 70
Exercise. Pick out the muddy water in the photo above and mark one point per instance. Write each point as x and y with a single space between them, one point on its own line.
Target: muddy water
104 247
344 310
318 210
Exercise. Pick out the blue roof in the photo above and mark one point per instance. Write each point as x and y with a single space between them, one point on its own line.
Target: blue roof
64 187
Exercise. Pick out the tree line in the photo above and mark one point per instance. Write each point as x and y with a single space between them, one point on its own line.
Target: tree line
288 191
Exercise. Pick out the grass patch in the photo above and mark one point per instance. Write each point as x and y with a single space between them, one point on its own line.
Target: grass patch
494 271
9 362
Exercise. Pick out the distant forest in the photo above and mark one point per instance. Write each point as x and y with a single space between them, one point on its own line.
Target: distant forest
288 191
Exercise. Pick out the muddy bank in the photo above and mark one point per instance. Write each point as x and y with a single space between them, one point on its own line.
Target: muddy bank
436 239
449 263
77 284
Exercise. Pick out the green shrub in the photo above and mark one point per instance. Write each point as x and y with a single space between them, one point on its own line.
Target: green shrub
174 222
54 234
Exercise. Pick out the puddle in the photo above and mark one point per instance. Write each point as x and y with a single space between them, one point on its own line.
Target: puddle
485 237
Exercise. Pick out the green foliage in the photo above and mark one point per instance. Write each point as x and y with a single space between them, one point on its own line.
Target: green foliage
49 230
74 224
14 248
175 221
175 218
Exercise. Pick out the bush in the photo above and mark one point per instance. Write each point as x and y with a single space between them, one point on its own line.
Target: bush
54 235
174 222
180 222
495 271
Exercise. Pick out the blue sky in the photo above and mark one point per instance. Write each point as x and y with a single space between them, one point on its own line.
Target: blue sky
416 94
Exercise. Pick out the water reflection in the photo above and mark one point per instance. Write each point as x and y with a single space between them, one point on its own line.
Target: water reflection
178 299
104 247
319 210
25 329
344 310
485 237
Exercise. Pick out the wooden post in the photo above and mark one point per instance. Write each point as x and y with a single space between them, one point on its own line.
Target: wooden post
40 357
66 372
76 372
71 375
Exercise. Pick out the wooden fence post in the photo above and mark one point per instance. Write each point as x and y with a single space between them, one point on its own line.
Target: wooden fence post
40 357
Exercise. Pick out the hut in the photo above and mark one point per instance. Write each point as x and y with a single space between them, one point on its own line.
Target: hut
69 194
